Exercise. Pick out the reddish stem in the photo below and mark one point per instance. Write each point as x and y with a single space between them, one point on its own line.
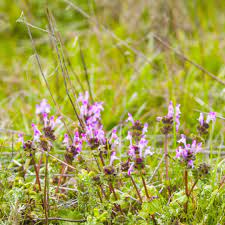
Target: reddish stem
37 174
102 160
145 186
112 190
186 189
136 188
192 188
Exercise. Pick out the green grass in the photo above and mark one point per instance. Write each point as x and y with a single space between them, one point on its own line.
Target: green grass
128 70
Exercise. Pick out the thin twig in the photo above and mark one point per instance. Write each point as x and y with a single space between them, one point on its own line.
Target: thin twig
86 72
62 67
185 58
46 82
61 161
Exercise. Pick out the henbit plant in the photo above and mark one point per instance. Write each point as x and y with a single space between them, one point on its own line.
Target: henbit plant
106 188
172 119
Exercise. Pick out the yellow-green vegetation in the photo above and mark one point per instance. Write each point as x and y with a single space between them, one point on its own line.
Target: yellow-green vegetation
136 57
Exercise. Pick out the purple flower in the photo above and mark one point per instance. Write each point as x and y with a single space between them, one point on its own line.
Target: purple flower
140 146
129 137
20 138
187 152
37 133
179 152
131 151
145 129
130 118
84 100
170 110
182 140
55 122
191 163
211 117
159 118
171 117
100 135
131 169
148 152
114 140
113 158
44 107
177 117
45 119
91 114
52 122
201 119
66 140
77 142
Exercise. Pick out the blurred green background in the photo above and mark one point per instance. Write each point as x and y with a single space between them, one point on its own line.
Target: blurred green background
128 69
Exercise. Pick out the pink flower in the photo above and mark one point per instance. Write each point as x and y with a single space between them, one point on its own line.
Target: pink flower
171 116
20 138
37 133
44 107
145 129
66 140
45 119
129 137
186 153
148 152
201 119
77 141
113 158
211 117
131 169
177 117
182 140
130 118
114 140
170 110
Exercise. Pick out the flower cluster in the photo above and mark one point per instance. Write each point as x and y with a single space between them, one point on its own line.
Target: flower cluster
204 124
138 148
168 120
112 143
72 150
47 135
43 107
186 152
48 129
91 116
